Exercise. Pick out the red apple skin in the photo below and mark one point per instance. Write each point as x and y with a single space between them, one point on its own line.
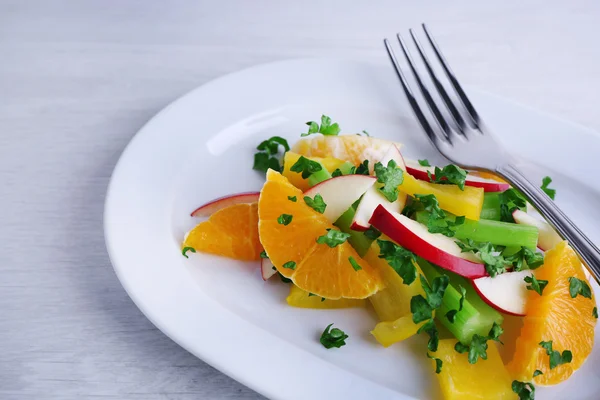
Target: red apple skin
493 305
486 186
215 205
357 227
385 222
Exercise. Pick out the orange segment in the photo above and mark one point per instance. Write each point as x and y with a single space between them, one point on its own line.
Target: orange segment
231 232
302 299
353 148
319 269
555 316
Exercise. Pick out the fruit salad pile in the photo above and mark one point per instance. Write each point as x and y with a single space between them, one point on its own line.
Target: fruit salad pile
346 221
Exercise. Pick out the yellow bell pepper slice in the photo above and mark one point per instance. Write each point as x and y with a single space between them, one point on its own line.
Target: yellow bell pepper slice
388 333
295 178
460 380
466 202
300 298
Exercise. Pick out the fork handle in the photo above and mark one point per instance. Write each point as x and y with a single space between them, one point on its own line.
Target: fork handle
587 251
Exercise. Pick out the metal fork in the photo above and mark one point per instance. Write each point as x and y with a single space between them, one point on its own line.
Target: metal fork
467 143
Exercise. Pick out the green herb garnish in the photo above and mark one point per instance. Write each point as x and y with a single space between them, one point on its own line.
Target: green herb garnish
451 315
372 233
267 157
401 260
333 238
336 172
366 133
424 163
263 254
354 264
285 219
510 200
363 168
535 284
391 176
579 287
595 312
537 372
495 333
532 258
450 174
525 390
494 263
293 199
186 249
333 337
316 204
438 363
289 265
306 166
550 192
556 358
434 337
326 128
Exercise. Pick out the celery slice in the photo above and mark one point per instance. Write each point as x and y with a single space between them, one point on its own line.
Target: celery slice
491 206
357 239
318 177
346 168
495 232
476 317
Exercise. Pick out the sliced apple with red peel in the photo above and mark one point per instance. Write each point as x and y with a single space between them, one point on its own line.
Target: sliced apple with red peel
506 292
547 238
373 196
267 269
488 185
213 206
433 247
340 193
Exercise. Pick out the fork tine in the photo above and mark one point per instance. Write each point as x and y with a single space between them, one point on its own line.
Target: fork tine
459 90
426 95
460 122
409 95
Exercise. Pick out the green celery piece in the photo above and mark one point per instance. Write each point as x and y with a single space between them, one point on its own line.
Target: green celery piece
357 239
510 250
476 317
318 177
491 206
495 232
346 168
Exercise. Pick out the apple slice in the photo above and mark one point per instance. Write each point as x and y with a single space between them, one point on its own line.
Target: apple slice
547 238
213 206
373 196
506 292
488 185
434 247
267 269
340 192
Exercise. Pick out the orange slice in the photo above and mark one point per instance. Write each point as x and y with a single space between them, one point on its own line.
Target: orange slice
317 268
300 298
555 316
353 148
231 232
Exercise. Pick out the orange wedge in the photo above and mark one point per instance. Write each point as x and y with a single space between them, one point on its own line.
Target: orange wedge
231 232
353 148
567 322
316 268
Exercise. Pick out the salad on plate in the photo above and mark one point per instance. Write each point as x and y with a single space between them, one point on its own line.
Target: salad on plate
450 254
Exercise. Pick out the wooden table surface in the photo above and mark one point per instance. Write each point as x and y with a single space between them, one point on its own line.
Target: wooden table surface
79 78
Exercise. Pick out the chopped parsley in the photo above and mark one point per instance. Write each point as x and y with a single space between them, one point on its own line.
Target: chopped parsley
431 204
532 258
283 278
434 337
316 204
290 265
366 133
306 166
401 260
579 287
263 254
424 163
438 363
354 264
391 176
525 390
494 263
372 233
550 192
293 199
285 219
595 312
510 200
333 238
336 172
333 337
451 174
422 307
556 358
267 157
537 372
451 315
363 168
326 128
495 333
535 284
186 249
477 349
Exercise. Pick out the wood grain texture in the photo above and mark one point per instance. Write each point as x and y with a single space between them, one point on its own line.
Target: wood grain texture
79 78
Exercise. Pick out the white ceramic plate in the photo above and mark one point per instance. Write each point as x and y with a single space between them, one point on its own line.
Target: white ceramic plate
201 147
